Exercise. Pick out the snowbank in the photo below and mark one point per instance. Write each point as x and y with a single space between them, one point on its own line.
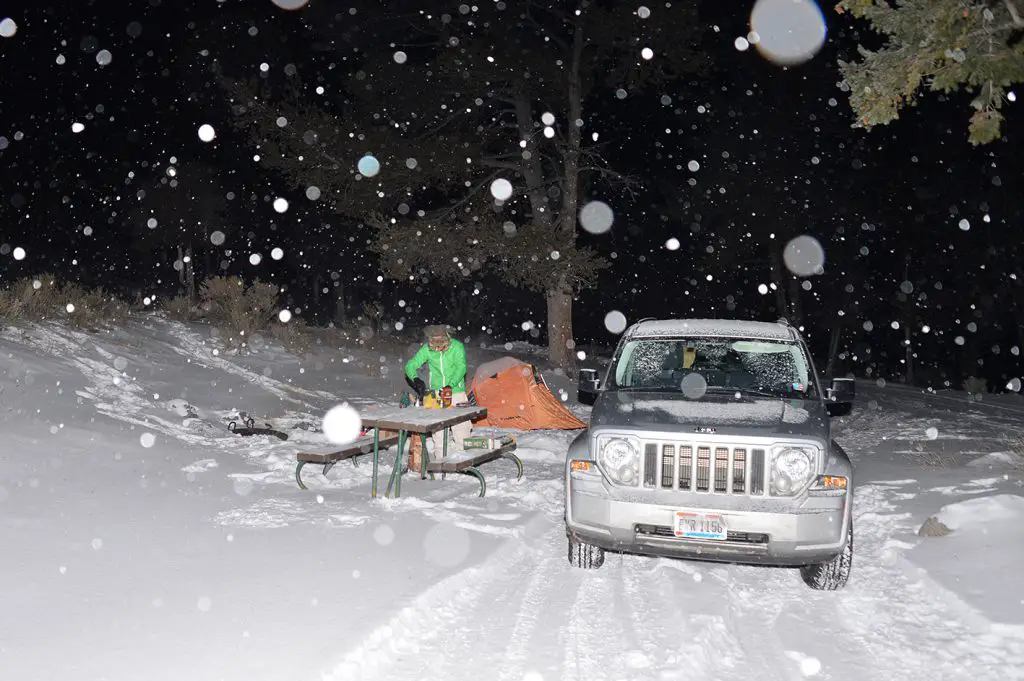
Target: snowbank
981 560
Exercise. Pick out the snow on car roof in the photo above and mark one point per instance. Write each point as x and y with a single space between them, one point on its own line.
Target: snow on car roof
729 328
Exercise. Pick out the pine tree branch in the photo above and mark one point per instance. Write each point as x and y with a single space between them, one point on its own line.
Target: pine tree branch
629 183
469 195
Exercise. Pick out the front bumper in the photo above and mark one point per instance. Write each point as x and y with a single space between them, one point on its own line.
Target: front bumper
802 531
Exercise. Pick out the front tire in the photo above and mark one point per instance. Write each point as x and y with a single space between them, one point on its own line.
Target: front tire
834 574
585 556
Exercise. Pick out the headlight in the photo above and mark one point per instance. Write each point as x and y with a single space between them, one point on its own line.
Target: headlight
792 469
620 461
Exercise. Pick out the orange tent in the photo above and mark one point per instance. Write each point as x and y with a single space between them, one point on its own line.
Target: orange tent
516 396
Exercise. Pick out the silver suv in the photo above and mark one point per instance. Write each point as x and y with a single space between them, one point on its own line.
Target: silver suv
710 440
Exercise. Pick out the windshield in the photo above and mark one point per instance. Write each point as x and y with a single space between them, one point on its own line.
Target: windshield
699 366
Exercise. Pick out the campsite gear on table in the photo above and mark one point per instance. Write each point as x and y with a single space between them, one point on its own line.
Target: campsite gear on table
437 399
446 399
517 396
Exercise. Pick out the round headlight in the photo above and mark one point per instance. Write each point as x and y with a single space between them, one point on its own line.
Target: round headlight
792 469
620 461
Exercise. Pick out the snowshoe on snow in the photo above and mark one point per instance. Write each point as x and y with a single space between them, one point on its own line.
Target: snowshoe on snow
249 428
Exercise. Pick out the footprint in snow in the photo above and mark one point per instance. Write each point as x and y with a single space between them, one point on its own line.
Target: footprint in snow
500 516
636 659
200 466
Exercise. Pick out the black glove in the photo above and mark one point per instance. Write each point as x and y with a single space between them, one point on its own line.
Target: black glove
419 386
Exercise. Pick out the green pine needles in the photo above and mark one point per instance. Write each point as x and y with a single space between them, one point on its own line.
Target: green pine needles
937 45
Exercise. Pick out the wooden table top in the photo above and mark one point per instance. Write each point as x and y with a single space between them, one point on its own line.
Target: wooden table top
419 419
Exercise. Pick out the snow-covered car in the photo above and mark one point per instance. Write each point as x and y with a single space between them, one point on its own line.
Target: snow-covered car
711 440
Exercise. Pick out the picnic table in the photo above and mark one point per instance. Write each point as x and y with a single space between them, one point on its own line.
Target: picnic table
409 422
414 420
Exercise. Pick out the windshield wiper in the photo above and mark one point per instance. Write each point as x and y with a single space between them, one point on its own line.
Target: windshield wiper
752 392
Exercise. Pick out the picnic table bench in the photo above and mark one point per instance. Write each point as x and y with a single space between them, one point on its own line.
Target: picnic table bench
467 462
409 422
363 445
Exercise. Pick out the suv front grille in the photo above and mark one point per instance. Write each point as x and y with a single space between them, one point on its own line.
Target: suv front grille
718 469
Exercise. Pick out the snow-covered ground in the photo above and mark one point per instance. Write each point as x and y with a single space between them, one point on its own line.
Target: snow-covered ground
143 540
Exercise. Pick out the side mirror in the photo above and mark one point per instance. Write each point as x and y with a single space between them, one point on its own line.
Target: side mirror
840 397
586 391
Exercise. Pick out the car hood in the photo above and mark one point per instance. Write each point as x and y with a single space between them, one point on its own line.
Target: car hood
752 417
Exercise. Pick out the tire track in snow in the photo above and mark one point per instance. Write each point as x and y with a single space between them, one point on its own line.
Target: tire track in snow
415 640
594 637
679 619
544 595
781 604
751 623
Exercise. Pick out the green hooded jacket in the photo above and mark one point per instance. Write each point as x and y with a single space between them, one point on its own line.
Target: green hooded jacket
446 368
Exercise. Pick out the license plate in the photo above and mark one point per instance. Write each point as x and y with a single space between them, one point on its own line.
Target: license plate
691 525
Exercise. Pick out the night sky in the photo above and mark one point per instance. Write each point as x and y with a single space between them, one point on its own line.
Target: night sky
903 210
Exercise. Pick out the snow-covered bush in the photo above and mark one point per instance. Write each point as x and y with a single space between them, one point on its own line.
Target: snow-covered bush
42 297
180 308
238 310
1016 444
293 336
30 299
975 386
92 309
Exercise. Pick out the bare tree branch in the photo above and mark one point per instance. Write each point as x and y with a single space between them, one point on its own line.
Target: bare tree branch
498 163
1014 13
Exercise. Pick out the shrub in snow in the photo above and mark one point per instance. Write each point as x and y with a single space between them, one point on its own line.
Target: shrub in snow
181 309
239 310
92 309
293 336
1016 444
42 297
31 299
974 385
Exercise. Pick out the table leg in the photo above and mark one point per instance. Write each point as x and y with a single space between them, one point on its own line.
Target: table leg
424 457
399 462
444 449
396 474
376 456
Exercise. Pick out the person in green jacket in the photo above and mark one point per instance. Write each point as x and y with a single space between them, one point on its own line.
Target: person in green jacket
445 358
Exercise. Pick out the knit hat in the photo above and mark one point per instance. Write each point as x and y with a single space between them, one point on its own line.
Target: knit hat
437 332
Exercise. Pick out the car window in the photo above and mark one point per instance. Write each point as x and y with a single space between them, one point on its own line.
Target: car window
777 367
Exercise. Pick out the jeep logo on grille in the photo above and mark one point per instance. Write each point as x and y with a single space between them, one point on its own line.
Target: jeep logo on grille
707 430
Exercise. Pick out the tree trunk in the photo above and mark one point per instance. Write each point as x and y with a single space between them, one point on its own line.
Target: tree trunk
190 274
781 307
317 279
909 353
833 349
561 347
208 270
561 344
908 318
340 310
795 313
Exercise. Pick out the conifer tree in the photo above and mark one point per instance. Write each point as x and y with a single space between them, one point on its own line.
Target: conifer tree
937 45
